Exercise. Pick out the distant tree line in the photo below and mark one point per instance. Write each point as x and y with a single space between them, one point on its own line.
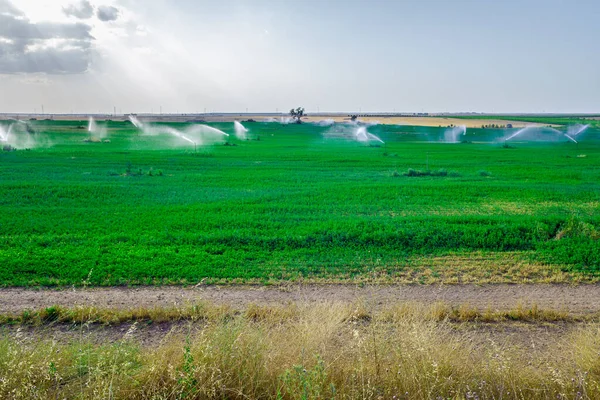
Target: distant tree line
297 114
496 126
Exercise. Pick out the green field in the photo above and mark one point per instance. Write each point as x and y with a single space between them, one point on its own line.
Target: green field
591 120
293 205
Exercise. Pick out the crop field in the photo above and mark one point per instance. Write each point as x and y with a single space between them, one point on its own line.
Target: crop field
297 202
558 120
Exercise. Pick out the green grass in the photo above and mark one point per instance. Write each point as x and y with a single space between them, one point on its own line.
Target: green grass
141 210
541 119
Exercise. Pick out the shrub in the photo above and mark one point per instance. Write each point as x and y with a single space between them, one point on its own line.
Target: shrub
411 172
440 172
577 228
50 314
484 173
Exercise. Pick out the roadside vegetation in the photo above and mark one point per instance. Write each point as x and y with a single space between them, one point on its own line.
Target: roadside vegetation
207 312
333 350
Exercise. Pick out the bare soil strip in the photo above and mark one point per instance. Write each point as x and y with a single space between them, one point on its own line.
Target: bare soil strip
580 299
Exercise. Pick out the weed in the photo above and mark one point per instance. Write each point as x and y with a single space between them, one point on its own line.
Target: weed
406 351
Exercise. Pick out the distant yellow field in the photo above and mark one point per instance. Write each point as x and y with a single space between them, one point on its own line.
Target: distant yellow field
415 121
428 121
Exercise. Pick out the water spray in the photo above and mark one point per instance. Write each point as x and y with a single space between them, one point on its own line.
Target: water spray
576 129
326 122
519 132
19 134
179 134
362 135
209 129
451 134
136 122
4 135
241 132
540 129
91 126
570 138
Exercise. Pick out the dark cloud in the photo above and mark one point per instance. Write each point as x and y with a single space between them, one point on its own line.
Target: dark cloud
22 28
82 10
45 60
47 47
6 8
107 13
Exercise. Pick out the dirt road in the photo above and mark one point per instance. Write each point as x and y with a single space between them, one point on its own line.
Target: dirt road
581 299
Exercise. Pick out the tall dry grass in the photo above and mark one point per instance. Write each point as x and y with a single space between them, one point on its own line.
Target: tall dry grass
327 351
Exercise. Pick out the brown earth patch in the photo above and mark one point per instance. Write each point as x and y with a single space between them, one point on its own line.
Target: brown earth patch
575 299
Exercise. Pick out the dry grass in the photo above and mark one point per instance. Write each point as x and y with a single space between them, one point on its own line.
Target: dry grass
203 311
91 314
474 268
477 267
335 350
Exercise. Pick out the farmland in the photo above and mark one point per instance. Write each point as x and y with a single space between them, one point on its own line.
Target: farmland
552 120
295 204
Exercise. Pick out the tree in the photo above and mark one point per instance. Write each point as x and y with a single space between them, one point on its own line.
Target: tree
297 114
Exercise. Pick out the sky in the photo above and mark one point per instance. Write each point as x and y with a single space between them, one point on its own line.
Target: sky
188 56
